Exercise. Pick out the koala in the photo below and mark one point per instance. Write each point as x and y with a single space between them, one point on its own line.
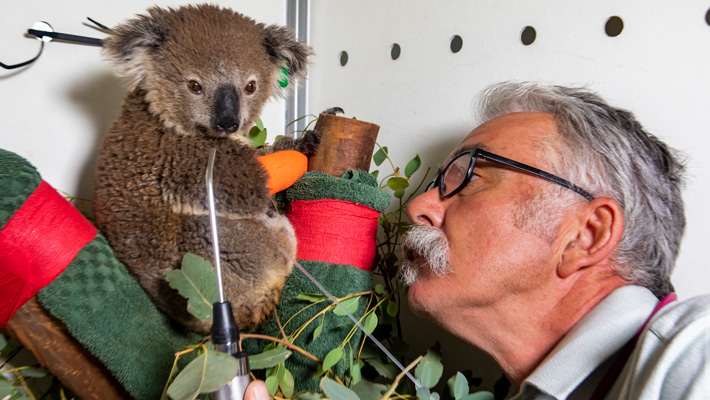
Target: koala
198 77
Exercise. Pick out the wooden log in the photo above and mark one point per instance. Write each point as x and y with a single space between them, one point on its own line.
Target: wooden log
346 143
54 347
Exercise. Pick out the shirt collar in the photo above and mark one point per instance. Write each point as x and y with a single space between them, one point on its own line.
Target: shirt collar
595 338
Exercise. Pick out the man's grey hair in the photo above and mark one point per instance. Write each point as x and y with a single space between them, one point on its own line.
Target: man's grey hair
606 151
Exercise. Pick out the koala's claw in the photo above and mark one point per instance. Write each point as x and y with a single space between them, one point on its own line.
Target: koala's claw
334 111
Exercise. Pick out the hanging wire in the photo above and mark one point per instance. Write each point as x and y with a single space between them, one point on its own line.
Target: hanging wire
28 62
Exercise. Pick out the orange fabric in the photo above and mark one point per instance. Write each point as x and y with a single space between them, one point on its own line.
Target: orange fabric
284 168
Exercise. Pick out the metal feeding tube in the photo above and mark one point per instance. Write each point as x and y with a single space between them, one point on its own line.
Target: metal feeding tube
225 332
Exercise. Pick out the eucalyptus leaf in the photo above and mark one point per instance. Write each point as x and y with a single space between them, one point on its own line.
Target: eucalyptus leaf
423 393
317 331
3 342
350 304
272 384
257 136
379 289
370 322
392 308
375 173
399 193
312 297
334 390
260 124
308 395
269 358
367 390
380 156
204 374
397 183
412 166
389 371
197 282
33 372
332 358
355 372
286 383
5 388
460 386
429 369
482 395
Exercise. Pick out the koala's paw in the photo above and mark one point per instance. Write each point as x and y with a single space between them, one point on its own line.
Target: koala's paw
306 144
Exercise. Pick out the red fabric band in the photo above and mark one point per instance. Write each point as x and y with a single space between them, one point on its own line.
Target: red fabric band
351 240
36 244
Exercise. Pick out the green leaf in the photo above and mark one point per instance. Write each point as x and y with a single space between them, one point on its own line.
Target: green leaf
257 136
334 390
350 304
286 383
204 374
269 358
423 393
308 395
460 386
367 390
482 395
3 342
370 322
5 388
332 358
379 289
317 331
312 297
197 282
271 384
260 124
375 173
399 193
389 371
412 166
397 183
429 369
380 156
33 372
356 372
392 308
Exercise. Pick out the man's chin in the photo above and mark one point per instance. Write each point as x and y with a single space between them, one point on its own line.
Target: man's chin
418 299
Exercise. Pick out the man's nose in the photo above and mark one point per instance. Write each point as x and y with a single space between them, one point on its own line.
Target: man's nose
427 209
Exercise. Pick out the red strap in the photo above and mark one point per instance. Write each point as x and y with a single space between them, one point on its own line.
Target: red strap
335 231
36 244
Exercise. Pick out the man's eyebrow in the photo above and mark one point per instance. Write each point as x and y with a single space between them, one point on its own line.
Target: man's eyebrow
460 150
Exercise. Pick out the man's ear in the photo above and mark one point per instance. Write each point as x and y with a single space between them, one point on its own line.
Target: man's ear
599 230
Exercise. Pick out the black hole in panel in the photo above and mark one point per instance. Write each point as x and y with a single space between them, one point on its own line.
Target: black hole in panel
343 58
707 17
456 44
528 35
614 26
395 51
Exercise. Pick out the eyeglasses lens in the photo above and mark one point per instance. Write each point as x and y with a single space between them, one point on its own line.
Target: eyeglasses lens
455 173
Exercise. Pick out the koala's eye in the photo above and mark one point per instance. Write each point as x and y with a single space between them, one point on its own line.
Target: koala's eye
250 87
194 87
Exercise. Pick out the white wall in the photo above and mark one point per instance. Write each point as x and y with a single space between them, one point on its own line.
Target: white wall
657 67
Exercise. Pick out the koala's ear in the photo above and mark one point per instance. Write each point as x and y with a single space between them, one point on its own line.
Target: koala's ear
129 44
286 51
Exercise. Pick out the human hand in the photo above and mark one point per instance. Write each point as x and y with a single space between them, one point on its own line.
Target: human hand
257 391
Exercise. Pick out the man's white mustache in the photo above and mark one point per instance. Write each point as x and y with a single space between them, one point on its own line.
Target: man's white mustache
429 243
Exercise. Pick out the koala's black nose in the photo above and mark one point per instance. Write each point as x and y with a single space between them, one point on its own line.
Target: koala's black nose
225 119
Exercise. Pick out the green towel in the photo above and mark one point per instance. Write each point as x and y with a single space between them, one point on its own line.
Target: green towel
355 186
100 303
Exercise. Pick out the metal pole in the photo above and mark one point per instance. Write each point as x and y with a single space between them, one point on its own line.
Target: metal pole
298 19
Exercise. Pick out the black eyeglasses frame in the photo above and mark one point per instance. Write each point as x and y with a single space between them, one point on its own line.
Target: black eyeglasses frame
486 155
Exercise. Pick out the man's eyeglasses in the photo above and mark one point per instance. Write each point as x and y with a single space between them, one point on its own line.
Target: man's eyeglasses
458 172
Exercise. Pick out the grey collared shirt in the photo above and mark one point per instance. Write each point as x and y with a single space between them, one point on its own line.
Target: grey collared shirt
667 363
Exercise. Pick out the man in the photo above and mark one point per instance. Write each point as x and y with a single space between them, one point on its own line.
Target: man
548 238
552 276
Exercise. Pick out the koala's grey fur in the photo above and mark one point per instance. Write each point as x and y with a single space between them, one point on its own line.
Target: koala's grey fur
190 74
